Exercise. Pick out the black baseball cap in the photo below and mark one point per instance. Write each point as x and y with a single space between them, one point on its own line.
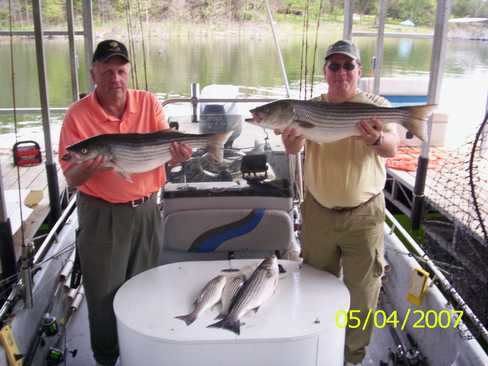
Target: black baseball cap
110 48
344 47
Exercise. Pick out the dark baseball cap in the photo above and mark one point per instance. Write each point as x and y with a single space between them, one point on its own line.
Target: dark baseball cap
110 48
343 47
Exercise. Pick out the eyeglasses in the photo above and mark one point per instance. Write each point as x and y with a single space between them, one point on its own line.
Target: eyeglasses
348 66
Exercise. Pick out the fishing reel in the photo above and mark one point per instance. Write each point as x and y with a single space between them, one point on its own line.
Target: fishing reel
254 168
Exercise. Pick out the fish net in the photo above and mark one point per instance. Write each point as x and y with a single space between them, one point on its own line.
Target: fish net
457 223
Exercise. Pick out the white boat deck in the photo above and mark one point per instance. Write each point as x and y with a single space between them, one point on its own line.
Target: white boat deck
78 338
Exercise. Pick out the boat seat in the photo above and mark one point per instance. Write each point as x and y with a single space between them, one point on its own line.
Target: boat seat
217 220
202 234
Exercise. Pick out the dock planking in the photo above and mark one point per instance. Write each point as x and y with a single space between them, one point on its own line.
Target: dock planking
31 179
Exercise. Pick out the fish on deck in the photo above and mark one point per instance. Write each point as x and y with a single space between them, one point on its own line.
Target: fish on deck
208 297
252 294
324 122
130 153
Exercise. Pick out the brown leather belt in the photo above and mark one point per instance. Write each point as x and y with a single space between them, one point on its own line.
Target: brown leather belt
347 209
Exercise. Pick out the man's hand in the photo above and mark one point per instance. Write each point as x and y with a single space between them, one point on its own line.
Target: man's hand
78 174
291 139
370 129
371 134
179 153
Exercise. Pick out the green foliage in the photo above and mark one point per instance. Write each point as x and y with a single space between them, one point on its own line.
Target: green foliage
421 12
54 11
469 8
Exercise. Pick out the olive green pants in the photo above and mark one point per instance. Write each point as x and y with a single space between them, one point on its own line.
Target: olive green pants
354 241
115 243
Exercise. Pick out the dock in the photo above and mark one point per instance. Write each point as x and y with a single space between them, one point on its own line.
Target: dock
26 196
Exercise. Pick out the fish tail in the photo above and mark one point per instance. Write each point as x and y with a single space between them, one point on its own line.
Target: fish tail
188 319
416 123
229 324
221 315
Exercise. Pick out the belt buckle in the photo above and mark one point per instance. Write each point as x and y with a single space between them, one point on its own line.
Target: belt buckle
137 203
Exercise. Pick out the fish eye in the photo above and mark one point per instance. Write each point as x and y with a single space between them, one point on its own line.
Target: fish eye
84 151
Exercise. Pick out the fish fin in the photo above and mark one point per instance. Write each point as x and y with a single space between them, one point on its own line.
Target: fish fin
305 124
188 319
418 118
229 324
221 316
281 269
119 170
126 176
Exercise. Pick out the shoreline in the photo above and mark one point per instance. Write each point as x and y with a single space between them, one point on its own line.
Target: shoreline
169 29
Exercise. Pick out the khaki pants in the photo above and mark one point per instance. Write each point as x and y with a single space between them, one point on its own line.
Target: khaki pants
354 241
115 242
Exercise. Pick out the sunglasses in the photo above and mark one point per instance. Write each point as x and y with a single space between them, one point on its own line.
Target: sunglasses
348 66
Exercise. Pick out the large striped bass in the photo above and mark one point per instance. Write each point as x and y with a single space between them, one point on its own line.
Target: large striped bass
253 293
327 122
209 296
130 153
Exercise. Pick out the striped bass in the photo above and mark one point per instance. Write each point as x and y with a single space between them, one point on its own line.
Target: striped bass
232 286
130 153
253 293
328 122
209 296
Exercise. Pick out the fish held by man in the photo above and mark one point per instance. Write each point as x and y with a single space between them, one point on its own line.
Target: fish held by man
328 122
209 297
253 293
130 153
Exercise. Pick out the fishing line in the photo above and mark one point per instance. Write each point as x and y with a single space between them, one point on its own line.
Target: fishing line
129 39
8 280
315 47
305 74
55 255
302 50
143 44
14 105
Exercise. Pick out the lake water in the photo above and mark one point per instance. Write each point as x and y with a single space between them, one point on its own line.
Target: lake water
173 63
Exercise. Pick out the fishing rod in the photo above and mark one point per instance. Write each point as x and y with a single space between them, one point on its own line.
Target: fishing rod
406 352
439 277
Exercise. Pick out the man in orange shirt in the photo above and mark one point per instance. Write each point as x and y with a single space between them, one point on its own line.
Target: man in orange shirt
119 221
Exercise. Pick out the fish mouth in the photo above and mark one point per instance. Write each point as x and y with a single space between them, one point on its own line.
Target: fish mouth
67 157
257 117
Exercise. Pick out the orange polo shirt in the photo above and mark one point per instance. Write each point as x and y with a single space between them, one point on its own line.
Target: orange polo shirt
86 118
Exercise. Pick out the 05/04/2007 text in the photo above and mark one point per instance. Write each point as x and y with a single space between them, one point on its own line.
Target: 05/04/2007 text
422 319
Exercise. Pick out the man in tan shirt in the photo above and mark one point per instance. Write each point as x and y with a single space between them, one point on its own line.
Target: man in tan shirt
343 211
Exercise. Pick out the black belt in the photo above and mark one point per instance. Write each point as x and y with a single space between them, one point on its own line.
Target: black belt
137 202
134 203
